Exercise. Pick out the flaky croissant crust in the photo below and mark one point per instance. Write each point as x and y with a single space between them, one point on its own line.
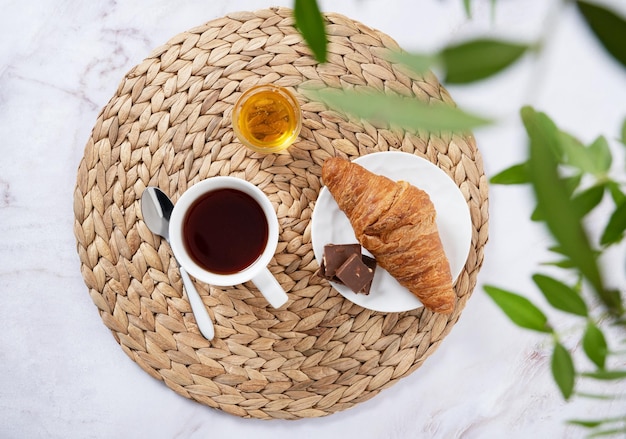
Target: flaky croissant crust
395 221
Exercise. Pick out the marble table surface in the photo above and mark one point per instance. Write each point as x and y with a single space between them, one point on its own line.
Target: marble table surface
62 375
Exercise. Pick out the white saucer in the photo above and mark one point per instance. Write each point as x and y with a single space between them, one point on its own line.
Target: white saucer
331 226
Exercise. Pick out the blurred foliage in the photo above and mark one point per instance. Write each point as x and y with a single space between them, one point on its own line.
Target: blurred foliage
569 179
397 110
310 24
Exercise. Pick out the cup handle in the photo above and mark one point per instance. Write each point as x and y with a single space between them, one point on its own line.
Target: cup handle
270 288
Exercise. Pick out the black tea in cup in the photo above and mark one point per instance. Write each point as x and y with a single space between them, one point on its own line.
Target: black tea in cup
225 231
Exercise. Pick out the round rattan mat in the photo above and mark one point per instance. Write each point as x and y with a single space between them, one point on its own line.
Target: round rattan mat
168 125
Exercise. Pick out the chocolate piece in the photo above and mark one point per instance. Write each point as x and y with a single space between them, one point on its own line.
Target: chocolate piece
369 261
371 264
321 272
335 255
355 274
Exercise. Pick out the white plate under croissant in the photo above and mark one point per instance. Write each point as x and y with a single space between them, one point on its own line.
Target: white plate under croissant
331 226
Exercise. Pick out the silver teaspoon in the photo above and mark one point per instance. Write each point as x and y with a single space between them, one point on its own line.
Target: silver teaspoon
156 209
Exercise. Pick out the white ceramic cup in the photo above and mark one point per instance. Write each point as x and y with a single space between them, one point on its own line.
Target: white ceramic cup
257 272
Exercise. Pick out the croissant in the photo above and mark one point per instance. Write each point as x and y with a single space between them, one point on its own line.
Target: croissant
395 221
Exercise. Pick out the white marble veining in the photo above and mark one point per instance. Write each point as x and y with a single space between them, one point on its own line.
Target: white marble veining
62 375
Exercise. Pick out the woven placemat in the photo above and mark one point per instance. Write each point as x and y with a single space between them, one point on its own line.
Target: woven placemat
168 125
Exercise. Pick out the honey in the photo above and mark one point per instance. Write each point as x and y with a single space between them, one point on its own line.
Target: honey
267 118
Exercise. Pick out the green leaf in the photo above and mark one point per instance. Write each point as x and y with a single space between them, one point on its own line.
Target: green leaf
561 216
594 345
519 309
606 375
593 423
595 160
603 397
623 134
310 23
417 62
561 296
609 432
537 215
587 424
492 10
467 4
607 26
600 152
516 174
556 249
563 370
588 199
615 228
478 59
571 183
564 263
408 113
616 193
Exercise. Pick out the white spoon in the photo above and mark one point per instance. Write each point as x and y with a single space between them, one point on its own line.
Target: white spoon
156 209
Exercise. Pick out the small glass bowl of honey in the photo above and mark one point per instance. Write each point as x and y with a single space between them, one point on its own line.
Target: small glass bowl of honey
267 118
